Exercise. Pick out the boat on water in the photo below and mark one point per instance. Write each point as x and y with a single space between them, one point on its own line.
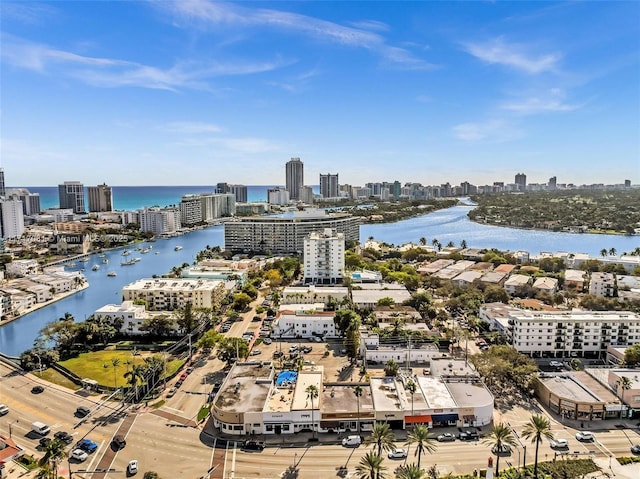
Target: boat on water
126 252
157 252
84 260
177 248
101 255
146 250
111 273
96 267
72 264
128 263
105 261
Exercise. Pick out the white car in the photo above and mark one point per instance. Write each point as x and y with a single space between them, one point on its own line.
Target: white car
132 467
555 364
397 453
79 455
352 441
255 352
267 341
584 436
559 444
4 409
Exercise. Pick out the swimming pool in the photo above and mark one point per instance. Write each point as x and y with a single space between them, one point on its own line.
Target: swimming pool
286 378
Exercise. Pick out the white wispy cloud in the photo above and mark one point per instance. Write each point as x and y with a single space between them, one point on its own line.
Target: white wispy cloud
206 14
494 130
191 127
513 55
30 13
108 72
548 102
231 145
370 25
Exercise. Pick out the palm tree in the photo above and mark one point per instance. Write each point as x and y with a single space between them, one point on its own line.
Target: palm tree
412 388
422 438
312 393
500 435
370 467
603 252
54 453
115 362
357 390
463 244
537 428
612 252
623 383
134 375
382 436
410 471
422 241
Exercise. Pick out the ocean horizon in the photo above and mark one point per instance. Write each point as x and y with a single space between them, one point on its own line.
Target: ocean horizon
129 198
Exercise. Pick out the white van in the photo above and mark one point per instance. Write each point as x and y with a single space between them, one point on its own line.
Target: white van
41 428
352 441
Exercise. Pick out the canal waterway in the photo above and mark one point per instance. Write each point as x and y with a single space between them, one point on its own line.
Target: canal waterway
446 225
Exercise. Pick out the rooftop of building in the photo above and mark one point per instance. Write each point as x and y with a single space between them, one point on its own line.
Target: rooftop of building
436 393
173 283
517 279
448 366
446 273
469 393
482 266
574 275
468 276
385 394
301 399
246 388
388 314
369 296
493 277
313 289
578 386
338 398
504 268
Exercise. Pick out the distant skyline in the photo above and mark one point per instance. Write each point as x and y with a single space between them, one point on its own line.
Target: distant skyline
196 92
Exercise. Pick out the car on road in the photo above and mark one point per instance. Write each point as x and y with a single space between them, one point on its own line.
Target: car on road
255 352
252 445
397 453
307 349
119 442
293 349
267 341
584 436
44 441
178 384
79 455
189 370
87 445
82 411
316 339
64 437
559 444
4 409
446 437
555 364
132 467
172 392
469 435
352 441
635 449
37 389
503 449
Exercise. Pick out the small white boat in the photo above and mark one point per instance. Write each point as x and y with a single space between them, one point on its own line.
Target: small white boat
177 248
126 252
111 273
96 267
105 261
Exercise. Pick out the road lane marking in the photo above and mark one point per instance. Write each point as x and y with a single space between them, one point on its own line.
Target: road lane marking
226 451
233 461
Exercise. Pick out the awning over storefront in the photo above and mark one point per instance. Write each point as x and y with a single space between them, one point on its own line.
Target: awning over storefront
417 419
444 417
329 424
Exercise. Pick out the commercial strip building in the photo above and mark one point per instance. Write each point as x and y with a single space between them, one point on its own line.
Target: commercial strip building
286 234
574 333
254 400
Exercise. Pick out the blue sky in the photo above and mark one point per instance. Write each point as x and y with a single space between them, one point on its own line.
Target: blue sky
195 92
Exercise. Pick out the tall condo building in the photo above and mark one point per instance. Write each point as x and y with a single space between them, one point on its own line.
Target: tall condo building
294 177
71 195
306 195
324 257
11 218
30 201
3 191
206 208
100 198
159 221
552 183
240 191
521 181
329 185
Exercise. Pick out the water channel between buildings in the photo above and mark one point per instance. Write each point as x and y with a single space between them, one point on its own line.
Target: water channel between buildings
446 225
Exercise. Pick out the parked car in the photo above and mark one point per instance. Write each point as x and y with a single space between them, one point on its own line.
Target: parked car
316 339
584 436
172 392
559 444
255 352
37 389
277 354
352 441
64 437
178 384
132 467
293 349
44 441
555 364
267 341
252 445
446 437
87 445
635 449
397 453
307 349
469 435
189 370
79 455
4 409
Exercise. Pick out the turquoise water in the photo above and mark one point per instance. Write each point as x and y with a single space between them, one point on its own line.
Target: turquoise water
286 376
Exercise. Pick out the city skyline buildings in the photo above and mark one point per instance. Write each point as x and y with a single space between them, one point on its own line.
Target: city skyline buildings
427 92
294 177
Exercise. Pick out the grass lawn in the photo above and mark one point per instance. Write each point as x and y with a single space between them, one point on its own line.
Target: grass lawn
97 365
53 376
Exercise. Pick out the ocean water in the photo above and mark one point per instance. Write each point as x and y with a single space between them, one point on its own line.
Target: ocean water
127 198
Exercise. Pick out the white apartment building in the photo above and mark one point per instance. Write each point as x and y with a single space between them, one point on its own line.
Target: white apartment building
313 294
167 294
304 324
277 196
11 218
563 333
159 221
404 353
324 257
133 317
20 268
546 285
602 284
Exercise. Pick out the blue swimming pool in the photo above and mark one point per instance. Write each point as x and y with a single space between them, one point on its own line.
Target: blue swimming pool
286 378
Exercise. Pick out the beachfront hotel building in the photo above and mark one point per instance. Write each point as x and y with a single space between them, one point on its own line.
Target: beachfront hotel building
159 221
254 399
574 333
286 234
206 208
168 294
100 198
71 195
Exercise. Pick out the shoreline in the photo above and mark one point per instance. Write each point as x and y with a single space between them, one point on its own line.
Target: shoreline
546 230
38 306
